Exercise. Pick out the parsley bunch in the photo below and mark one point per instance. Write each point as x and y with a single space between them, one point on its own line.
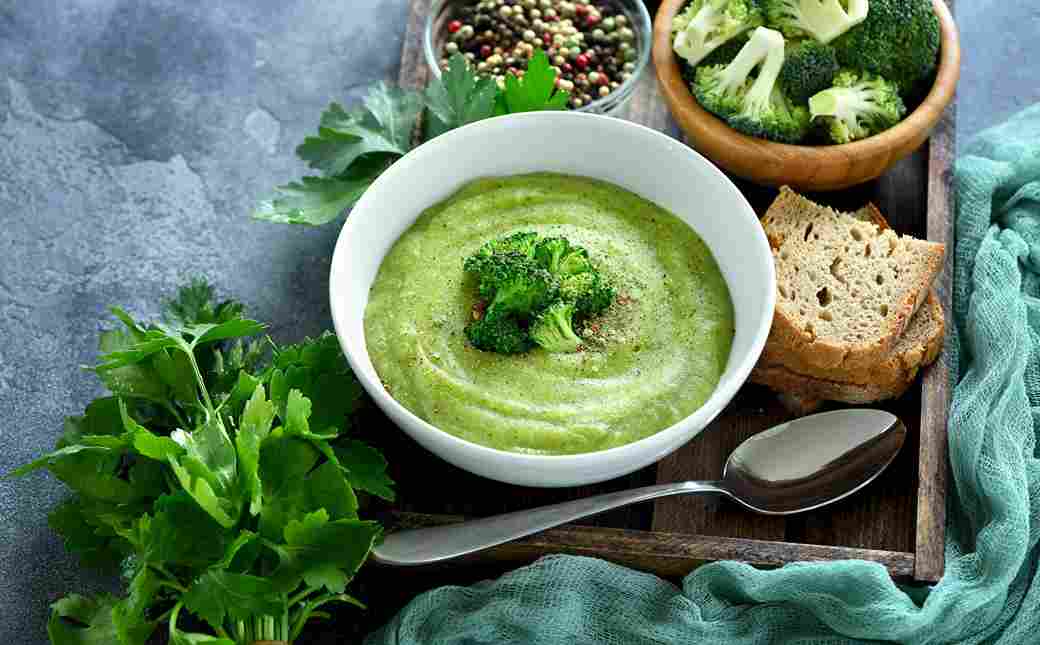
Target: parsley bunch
352 149
219 474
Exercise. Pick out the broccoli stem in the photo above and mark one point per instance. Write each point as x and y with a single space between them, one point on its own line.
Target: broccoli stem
829 19
761 46
759 97
842 103
692 42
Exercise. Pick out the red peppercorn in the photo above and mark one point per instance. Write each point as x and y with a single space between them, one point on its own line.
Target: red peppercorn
567 67
582 61
592 20
485 51
454 26
552 18
547 38
581 9
604 79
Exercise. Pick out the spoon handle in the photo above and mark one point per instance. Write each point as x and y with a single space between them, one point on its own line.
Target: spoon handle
426 546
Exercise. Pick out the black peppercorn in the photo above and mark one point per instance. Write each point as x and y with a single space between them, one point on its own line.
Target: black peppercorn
590 43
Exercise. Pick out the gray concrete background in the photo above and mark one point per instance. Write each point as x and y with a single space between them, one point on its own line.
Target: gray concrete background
135 136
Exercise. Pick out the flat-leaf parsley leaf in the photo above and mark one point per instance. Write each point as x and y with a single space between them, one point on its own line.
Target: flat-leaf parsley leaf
351 149
214 478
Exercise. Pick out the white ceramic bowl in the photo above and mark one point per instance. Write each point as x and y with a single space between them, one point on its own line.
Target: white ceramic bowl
639 159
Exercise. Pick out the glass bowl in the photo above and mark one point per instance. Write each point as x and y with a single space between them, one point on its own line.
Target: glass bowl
443 11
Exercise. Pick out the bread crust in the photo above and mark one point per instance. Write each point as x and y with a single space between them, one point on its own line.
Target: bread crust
790 339
896 368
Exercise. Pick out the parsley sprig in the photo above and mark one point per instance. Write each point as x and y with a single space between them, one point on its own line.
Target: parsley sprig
220 474
351 149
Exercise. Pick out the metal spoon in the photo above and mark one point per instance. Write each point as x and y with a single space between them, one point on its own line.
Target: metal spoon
794 467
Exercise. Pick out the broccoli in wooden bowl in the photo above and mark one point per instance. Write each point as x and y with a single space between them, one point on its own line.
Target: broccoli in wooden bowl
818 95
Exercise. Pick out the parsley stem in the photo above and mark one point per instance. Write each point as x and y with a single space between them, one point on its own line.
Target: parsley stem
158 568
174 586
163 616
300 596
176 414
173 620
190 351
306 613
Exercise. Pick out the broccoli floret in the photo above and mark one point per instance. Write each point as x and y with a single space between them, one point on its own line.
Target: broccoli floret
589 292
523 243
755 107
550 250
899 41
516 284
706 25
560 257
823 20
809 67
519 277
554 328
721 56
858 106
498 333
725 54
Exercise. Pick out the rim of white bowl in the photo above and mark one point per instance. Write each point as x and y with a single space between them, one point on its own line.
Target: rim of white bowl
701 416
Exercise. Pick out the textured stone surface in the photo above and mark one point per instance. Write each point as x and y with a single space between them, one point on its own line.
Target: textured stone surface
135 135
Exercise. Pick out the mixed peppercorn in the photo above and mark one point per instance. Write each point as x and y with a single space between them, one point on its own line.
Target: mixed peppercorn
590 43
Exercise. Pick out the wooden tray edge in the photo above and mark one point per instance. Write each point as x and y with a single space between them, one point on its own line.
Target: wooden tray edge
935 394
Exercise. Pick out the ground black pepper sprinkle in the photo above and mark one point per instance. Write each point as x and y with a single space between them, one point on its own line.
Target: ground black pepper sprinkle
589 42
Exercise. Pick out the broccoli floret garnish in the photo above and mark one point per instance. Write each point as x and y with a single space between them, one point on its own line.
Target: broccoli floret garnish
706 25
589 292
498 333
809 68
823 20
522 243
553 330
561 258
858 106
516 284
756 107
526 282
899 41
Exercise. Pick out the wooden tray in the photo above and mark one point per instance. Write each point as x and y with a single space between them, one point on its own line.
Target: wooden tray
897 521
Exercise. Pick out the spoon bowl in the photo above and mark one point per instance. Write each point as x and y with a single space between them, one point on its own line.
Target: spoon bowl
810 462
794 467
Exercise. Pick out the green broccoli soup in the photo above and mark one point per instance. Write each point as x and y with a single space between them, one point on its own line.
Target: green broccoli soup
600 317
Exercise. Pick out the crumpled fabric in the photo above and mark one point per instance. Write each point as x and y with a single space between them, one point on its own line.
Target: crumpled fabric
989 593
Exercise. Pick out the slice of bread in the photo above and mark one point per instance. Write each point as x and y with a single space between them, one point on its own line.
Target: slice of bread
847 284
918 346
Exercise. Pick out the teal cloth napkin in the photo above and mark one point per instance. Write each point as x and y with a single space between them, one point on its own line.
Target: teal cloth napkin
990 592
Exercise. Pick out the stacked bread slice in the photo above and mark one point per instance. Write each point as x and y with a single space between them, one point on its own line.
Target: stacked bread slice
856 317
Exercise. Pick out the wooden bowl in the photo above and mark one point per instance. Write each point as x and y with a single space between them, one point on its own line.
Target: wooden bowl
810 168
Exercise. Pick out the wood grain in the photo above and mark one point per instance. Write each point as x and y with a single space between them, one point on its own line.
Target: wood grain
414 71
933 464
803 167
704 458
